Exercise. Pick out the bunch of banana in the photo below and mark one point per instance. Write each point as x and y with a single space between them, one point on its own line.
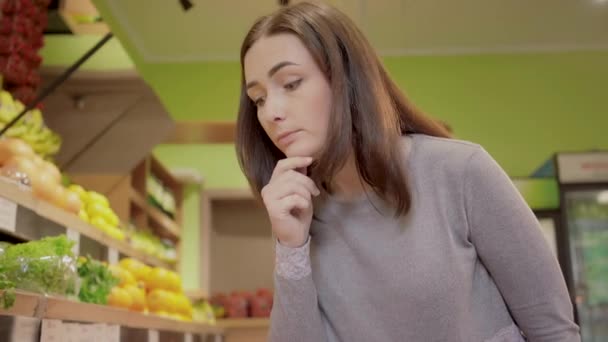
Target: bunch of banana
30 128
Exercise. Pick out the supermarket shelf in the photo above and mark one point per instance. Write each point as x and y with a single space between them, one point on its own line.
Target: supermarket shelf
242 323
25 198
163 221
137 199
39 306
165 175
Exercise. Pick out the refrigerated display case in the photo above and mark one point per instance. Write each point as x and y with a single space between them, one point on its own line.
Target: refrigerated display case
583 187
569 196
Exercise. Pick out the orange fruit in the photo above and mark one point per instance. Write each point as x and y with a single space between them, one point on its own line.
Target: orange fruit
138 297
22 164
138 269
158 300
72 201
43 186
120 297
183 305
172 302
174 282
125 277
12 146
51 169
159 278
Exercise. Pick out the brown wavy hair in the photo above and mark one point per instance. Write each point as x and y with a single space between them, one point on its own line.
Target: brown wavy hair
369 112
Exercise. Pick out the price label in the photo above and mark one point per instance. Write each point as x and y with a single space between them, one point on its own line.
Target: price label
25 329
153 336
112 255
111 333
52 331
8 214
188 337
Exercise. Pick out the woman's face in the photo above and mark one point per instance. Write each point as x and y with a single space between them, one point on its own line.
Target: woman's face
292 95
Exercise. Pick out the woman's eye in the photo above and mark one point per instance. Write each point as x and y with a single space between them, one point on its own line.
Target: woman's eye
293 85
259 102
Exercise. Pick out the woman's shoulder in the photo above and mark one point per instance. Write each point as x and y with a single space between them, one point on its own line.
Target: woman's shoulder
434 149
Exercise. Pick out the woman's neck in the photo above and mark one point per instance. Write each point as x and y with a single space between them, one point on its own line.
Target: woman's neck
347 184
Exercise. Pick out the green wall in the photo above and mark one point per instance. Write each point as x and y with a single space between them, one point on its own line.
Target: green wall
190 264
521 108
63 50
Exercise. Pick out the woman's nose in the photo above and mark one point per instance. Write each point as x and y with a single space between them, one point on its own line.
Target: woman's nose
276 109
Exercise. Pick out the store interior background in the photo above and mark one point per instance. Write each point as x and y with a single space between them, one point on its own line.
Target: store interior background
523 79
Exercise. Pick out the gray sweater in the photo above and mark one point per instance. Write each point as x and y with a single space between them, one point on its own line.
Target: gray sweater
468 263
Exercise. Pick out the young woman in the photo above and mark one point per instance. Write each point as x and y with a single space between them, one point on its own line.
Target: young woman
387 230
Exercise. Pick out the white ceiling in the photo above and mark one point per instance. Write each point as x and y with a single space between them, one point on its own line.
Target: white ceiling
160 31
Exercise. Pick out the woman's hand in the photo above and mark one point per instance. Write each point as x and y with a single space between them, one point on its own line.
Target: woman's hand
288 200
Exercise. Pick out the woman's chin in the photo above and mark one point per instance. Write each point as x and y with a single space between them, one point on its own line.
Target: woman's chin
294 150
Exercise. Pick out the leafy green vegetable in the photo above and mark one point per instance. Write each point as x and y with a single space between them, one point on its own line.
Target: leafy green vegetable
3 246
49 246
44 266
7 299
96 281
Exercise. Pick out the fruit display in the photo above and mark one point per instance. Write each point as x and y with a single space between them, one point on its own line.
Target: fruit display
203 312
151 244
242 304
31 128
128 293
96 210
45 266
22 26
20 163
154 290
160 196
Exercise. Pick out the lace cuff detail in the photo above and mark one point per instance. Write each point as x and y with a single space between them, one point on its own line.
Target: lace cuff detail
292 263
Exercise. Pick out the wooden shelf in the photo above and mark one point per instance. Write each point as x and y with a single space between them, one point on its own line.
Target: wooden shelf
169 226
242 323
137 199
246 329
39 306
25 198
157 169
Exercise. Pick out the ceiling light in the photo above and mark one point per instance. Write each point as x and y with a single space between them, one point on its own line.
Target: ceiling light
186 4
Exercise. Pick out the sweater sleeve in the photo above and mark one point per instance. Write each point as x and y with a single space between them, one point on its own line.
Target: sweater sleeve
295 312
508 241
